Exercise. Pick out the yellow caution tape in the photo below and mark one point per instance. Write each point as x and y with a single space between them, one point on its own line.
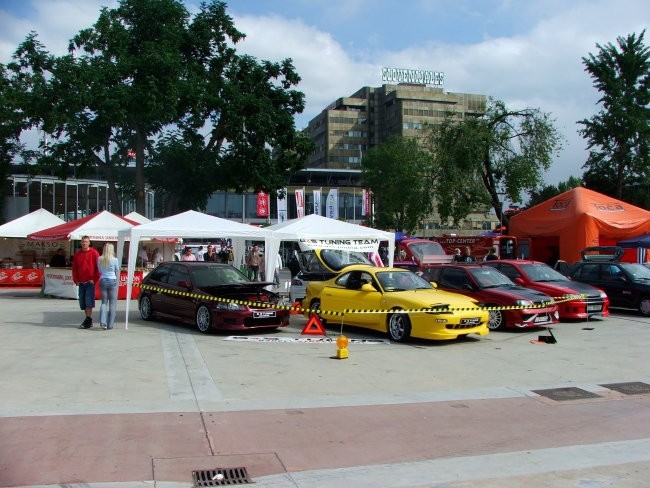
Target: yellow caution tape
299 309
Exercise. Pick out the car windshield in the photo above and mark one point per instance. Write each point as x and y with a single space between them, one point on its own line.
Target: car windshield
542 272
429 248
207 276
636 270
487 277
338 259
401 281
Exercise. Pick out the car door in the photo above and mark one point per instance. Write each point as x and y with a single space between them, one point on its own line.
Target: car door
349 295
617 286
177 300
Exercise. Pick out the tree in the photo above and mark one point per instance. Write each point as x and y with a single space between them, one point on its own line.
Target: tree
397 172
145 74
618 136
10 128
550 191
480 160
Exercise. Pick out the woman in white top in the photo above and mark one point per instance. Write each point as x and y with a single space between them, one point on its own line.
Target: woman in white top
110 272
157 257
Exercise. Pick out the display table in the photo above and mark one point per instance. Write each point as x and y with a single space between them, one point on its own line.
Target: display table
21 277
57 282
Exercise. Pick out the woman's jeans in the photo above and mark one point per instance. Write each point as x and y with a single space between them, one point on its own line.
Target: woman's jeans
109 298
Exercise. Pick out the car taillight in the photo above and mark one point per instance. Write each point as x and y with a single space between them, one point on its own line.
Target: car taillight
256 298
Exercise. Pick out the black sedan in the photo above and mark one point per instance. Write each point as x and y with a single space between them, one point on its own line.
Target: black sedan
627 284
212 296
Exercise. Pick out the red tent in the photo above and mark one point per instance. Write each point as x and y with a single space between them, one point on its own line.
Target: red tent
577 219
101 226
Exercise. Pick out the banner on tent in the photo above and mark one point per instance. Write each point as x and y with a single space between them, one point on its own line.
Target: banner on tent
361 245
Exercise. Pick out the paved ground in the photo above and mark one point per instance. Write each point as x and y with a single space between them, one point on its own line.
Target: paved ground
146 406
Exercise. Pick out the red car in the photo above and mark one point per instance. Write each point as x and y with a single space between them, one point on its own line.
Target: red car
212 296
493 289
541 277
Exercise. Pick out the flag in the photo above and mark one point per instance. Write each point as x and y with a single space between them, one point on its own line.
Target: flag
365 202
332 208
282 206
262 204
300 203
317 197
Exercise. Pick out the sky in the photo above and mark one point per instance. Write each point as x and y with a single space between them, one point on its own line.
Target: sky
527 53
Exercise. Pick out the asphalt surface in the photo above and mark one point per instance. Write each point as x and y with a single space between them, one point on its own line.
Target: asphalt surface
149 405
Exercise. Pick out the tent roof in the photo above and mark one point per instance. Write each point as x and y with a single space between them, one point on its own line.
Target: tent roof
579 218
32 222
136 217
102 226
317 227
639 241
195 224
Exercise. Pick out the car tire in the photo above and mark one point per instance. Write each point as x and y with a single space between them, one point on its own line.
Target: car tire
146 309
644 306
399 327
496 320
314 306
203 319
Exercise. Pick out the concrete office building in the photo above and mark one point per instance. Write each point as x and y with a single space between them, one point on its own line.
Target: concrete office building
347 128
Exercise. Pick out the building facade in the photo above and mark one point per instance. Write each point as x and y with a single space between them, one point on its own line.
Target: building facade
350 126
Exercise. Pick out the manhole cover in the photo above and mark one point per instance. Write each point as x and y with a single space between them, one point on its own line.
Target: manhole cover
220 477
631 388
565 394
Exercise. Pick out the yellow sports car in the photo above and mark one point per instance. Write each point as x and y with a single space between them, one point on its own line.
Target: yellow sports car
396 301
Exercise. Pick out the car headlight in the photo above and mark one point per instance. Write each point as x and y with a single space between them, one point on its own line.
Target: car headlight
523 303
603 295
229 306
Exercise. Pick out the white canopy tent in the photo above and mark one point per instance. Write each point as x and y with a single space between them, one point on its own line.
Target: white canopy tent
32 222
13 234
190 224
136 217
326 232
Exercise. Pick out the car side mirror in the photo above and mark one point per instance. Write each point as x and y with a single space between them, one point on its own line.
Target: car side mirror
434 284
184 284
367 287
519 281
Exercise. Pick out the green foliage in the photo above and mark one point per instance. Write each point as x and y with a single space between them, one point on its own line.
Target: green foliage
146 74
398 173
618 135
550 191
478 160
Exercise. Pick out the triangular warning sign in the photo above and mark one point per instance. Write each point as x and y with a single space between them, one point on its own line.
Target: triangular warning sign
314 326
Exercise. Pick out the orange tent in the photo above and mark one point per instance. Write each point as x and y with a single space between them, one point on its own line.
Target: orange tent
580 218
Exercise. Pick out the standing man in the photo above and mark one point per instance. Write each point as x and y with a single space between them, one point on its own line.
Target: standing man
253 262
85 273
210 255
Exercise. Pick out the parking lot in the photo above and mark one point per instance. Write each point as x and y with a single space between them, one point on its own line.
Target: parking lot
156 401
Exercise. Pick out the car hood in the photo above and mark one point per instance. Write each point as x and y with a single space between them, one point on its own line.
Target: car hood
516 293
568 287
430 297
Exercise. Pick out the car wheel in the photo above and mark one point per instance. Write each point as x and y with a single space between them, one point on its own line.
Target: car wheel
314 306
203 319
496 320
146 310
644 306
399 327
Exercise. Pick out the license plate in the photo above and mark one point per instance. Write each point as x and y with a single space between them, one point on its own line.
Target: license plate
472 321
594 308
541 318
267 314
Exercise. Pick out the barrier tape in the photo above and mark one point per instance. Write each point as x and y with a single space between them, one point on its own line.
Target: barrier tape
301 310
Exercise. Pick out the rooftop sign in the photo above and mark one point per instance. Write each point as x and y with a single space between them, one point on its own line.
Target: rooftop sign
400 75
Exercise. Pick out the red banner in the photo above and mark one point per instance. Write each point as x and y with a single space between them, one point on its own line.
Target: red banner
21 277
262 204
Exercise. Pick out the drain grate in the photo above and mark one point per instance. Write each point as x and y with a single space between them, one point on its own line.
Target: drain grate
220 477
566 394
631 388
